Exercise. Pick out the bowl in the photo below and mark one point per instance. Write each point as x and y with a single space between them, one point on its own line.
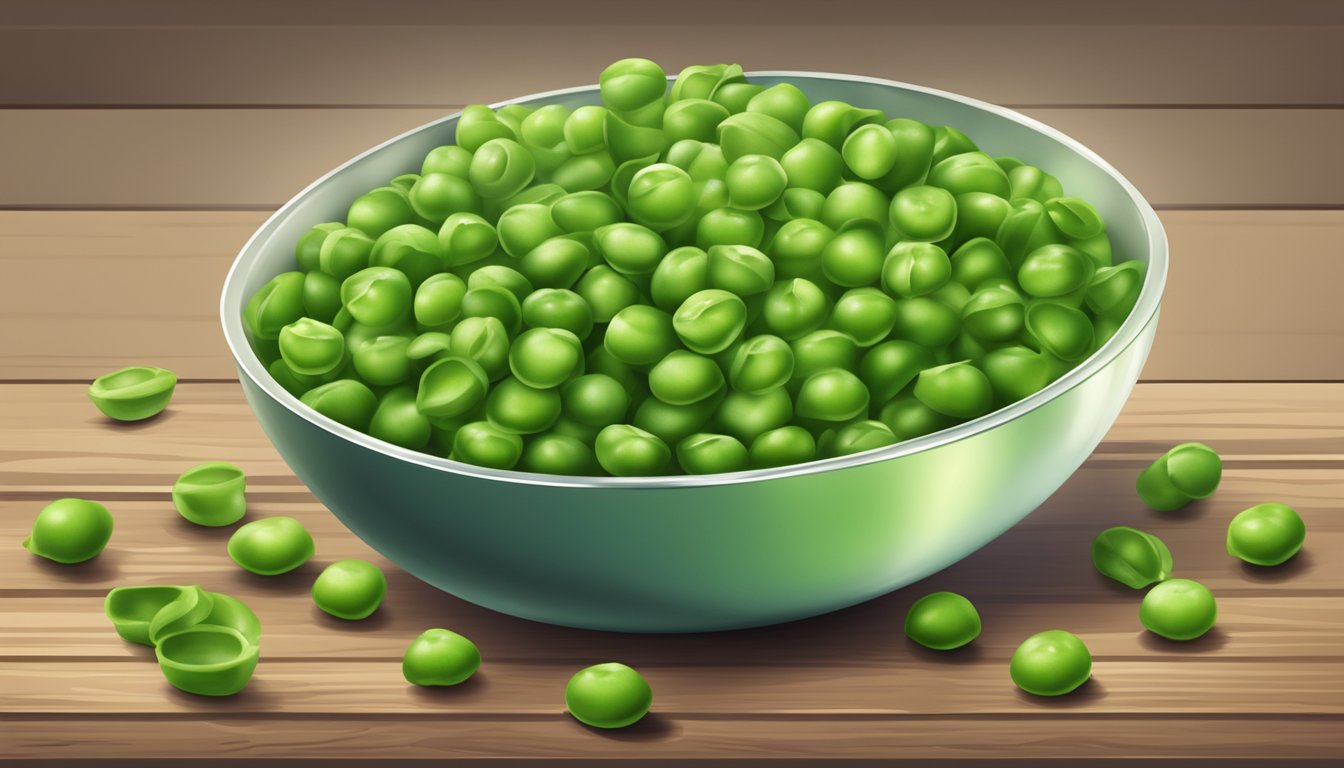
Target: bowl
699 553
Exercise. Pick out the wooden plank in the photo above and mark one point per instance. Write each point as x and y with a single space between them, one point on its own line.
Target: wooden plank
1060 736
260 157
1066 60
923 687
167 267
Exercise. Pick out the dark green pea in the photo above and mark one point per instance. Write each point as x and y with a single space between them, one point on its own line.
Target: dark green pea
1130 556
994 314
451 386
398 421
606 291
782 447
673 423
1016 372
699 81
500 168
682 378
630 249
889 367
755 181
1030 182
680 273
1026 228
379 210
1075 218
377 296
914 155
630 84
1103 329
855 200
953 294
585 211
410 249
1186 472
555 263
860 436
293 383
466 238
979 215
515 407
926 321
820 350
737 95
641 335
923 213
915 269
438 301
483 340
558 308
831 121
584 129
311 347
865 314
1266 534
345 401
344 252
309 248
908 418
350 589
493 301
696 119
798 247
708 321
585 172
321 296
479 124
1178 609
978 261
383 361
70 531
760 364
970 172
832 394
1062 331
729 226
1050 663
948 141
746 416
870 151
275 305
782 101
1114 291
628 451
485 445
739 269
546 357
661 196
556 454
942 621
854 256
813 164
595 399
449 158
707 454
436 196
754 133
1054 270
794 308
959 390
524 227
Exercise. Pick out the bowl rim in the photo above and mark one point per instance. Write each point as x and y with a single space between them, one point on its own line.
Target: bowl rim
1144 312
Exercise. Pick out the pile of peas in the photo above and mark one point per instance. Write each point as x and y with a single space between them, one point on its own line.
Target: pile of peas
708 278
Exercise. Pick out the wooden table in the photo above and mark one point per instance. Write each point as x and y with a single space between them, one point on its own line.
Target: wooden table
145 140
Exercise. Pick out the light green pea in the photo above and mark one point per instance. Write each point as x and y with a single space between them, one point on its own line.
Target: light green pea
948 141
631 249
439 657
1097 248
628 451
832 121
796 203
739 269
889 367
813 164
438 301
870 151
994 314
483 444
484 341
1015 372
865 314
794 308
823 349
754 133
707 454
606 291
661 196
546 357
350 589
211 494
321 296
557 454
629 84
555 263
1266 534
312 348
449 158
682 378
133 394
736 96
909 418
682 272
860 436
584 129
699 81
1054 270
558 308
377 296
1178 609
585 172
854 256
524 227
493 301
798 246
640 335
978 261
344 252
479 124
451 387
832 394
942 621
428 346
959 390
309 248
516 407
585 211
276 304
755 181
628 139
970 172
379 210
760 364
782 101
729 226
747 416
70 531
696 119
436 196
923 213
608 695
1030 182
1075 218
410 249
915 269
979 215
914 155
271 546
855 200
1026 228
1062 331
595 399
501 168
1130 556
709 321
466 238
782 447
1051 663
398 420
543 134
1187 472
926 321
344 401
1114 291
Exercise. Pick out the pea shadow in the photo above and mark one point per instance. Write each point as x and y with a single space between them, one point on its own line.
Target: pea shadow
1195 510
104 568
1213 640
212 532
468 691
299 580
108 422
1300 565
653 727
379 619
971 652
260 695
1085 695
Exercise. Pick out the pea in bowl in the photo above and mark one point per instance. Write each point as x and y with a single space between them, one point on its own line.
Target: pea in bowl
717 551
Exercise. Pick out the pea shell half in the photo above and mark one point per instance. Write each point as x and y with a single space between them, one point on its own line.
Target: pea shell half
207 660
133 394
211 494
1130 556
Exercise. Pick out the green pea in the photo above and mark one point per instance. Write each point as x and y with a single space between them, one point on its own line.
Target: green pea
608 695
755 181
909 418
555 263
436 196
855 201
1097 248
673 423
680 273
782 101
630 84
926 321
970 172
870 151
451 386
70 531
350 589
813 164
857 437
479 124
312 348
737 95
276 304
211 494
595 399
1075 218
449 158
754 133
543 134
133 394
823 349
344 252
1062 331
1114 291
524 227
1130 556
377 296
782 447
379 210
699 81
889 367
1051 663
466 238
630 249
584 129
398 420
483 444
923 213
501 168
798 246
915 269
682 378
309 248
729 226
585 211
1178 609
661 196
832 121
628 451
832 394
493 301
1026 228
1054 270
959 390
585 172
979 261
321 296
607 292
439 657
546 357
913 155
994 314
558 308
760 364
271 546
708 454
942 621
438 301
747 416
516 407
629 140
865 314
794 308
1186 472
794 204
709 321
640 335
696 119
484 341
1015 372
344 401
854 256
739 269
1266 534
557 454
1028 181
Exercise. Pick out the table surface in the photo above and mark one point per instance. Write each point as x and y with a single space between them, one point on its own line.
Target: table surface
147 141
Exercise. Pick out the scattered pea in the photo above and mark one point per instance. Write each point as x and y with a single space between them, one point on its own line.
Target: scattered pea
350 589
609 695
211 494
138 392
70 531
1051 663
1266 534
1130 556
1178 609
942 621
1187 472
271 546
440 657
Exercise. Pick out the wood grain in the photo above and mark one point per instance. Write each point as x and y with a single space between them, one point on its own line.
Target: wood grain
121 158
127 287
